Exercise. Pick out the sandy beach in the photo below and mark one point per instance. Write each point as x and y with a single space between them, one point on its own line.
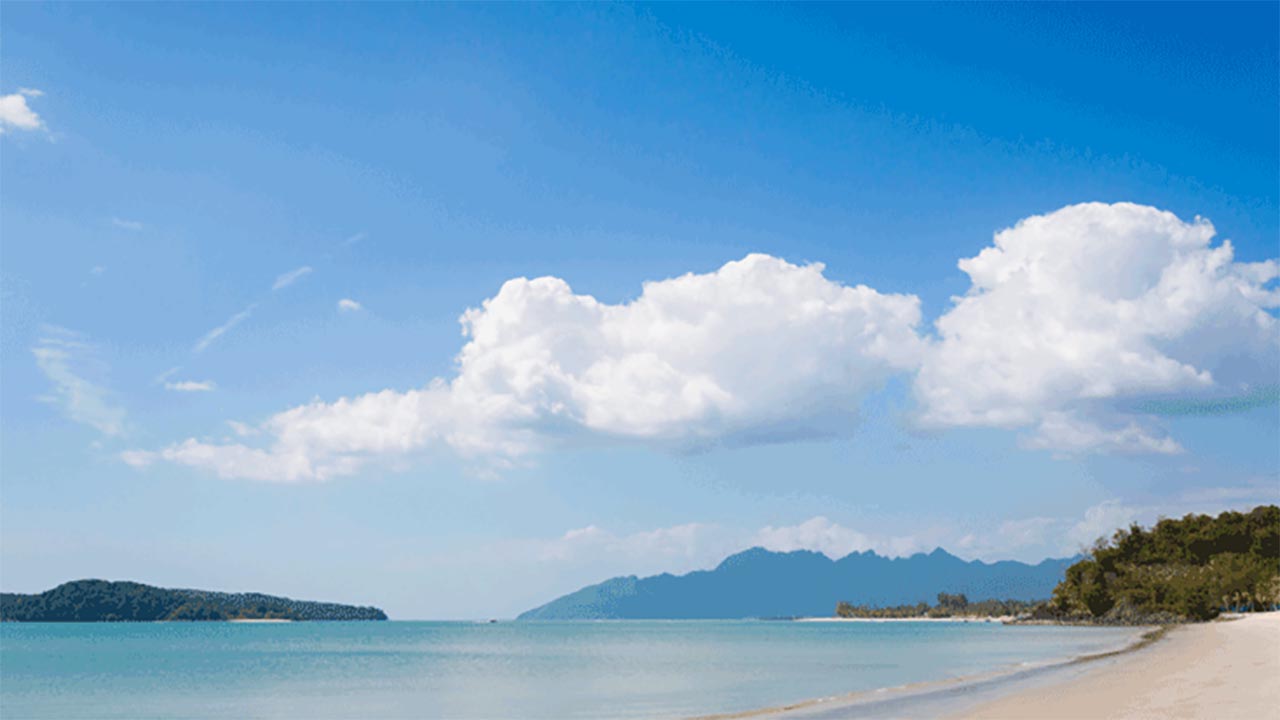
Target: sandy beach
1225 670
1220 670
952 619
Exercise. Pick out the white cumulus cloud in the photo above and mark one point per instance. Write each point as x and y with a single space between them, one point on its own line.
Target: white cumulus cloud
760 350
832 539
15 114
678 545
1073 311
1074 321
349 305
1100 521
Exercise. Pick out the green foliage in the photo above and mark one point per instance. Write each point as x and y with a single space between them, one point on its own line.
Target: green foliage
102 601
1192 568
948 606
197 610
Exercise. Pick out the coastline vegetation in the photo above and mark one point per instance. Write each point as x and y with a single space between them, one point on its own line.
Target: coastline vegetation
103 601
1187 569
949 606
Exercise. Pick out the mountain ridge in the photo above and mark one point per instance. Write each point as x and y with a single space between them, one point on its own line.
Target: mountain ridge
763 583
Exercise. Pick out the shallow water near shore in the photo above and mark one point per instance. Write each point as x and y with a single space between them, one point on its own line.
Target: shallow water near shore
613 669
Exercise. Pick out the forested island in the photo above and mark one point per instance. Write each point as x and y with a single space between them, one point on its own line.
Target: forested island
104 601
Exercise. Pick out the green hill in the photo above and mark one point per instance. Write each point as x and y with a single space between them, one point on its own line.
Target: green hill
1192 568
104 601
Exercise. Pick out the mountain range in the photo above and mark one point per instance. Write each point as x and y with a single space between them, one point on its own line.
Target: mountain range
759 583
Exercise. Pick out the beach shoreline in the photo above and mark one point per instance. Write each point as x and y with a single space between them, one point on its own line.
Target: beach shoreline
890 701
1223 669
952 619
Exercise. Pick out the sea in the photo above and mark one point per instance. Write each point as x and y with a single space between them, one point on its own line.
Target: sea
470 671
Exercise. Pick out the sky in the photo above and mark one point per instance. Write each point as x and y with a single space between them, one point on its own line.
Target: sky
452 309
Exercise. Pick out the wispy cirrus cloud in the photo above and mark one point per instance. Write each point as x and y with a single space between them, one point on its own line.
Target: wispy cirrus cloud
284 280
241 429
213 335
191 386
123 224
68 361
349 305
162 377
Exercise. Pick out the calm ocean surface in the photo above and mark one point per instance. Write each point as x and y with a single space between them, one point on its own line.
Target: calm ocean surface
625 669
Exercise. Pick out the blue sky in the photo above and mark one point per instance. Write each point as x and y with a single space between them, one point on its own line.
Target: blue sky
164 169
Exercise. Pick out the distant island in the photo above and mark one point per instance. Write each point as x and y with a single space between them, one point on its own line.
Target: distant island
105 601
759 583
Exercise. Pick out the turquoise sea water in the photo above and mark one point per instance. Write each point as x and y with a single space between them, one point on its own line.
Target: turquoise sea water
622 669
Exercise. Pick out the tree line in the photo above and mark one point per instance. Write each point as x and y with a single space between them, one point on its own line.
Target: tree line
949 605
1192 568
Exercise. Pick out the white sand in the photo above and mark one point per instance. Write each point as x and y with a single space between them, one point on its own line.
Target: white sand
1220 671
954 619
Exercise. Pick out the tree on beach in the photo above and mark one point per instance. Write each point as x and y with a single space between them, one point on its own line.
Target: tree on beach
948 606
